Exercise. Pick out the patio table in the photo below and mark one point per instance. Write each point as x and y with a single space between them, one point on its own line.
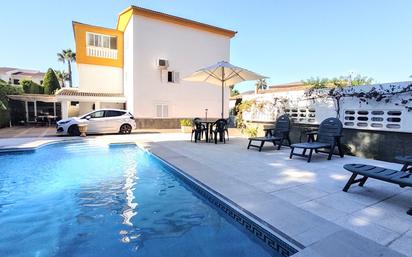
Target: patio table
406 160
48 117
208 124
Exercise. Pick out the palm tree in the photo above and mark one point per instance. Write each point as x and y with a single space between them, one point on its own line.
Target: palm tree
67 56
62 76
260 85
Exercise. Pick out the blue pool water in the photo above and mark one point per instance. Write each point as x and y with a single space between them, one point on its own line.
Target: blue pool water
91 200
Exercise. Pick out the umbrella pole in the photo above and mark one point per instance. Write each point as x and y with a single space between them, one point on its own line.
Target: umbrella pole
223 92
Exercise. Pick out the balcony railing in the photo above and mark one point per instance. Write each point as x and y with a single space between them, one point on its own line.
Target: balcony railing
102 52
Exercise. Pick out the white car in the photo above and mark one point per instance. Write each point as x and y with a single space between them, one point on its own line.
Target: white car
99 121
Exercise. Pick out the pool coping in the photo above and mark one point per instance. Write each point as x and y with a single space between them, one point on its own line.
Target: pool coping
341 242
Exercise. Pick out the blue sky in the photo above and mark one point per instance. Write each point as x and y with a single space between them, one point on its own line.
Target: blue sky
289 40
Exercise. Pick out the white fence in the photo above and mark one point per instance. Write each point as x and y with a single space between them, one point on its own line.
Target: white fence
392 114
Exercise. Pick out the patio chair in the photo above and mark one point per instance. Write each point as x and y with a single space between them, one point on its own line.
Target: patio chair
328 137
275 135
400 178
197 130
219 128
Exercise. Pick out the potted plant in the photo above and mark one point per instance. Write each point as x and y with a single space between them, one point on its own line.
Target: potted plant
82 129
186 125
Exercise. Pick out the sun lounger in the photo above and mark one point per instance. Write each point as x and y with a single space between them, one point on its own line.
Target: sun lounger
276 135
401 178
328 137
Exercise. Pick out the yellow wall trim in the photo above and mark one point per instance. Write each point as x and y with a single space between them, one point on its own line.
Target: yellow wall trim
126 15
80 31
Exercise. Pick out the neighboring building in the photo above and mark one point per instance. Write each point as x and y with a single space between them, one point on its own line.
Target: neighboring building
144 59
15 75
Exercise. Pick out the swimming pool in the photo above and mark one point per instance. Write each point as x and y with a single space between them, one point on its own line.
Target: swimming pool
90 199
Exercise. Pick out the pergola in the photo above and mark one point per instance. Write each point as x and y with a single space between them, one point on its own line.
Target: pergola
35 98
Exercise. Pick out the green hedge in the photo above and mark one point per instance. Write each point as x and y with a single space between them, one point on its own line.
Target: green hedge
7 89
30 87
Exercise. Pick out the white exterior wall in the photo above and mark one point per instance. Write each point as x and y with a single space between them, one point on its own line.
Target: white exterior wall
370 115
187 50
35 78
100 79
128 66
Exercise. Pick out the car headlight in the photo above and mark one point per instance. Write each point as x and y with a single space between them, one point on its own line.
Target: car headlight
63 122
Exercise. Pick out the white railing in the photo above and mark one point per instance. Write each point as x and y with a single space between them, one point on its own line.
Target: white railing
102 52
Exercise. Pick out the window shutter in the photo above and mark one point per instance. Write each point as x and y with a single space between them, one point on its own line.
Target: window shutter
176 77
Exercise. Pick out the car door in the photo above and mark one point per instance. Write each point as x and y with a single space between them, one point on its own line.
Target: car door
96 122
114 120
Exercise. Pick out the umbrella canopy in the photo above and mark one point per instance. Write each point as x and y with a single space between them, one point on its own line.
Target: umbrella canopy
223 74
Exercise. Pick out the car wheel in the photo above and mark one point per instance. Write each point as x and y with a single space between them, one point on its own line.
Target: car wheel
125 129
73 130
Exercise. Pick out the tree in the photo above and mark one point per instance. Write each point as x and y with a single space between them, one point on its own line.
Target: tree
341 82
62 76
50 82
260 85
233 91
336 87
67 56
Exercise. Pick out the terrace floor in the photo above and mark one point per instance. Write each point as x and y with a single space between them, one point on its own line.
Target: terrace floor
302 202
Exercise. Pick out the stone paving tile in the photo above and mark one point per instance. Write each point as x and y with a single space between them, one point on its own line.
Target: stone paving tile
345 243
300 194
376 215
316 234
402 245
366 228
324 211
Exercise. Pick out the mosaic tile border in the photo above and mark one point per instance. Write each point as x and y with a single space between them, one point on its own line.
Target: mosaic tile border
272 241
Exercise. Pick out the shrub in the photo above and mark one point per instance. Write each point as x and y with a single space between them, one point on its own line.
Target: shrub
26 84
185 122
50 82
30 87
7 89
251 131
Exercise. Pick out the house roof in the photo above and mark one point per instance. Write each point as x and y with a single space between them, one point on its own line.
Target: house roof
292 86
18 71
125 16
76 92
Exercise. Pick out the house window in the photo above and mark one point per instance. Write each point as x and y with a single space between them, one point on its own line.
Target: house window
173 77
103 41
376 119
162 110
16 81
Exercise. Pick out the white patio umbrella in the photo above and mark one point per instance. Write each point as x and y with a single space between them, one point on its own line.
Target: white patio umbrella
223 74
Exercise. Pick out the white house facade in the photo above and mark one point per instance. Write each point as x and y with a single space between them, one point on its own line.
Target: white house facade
140 64
14 76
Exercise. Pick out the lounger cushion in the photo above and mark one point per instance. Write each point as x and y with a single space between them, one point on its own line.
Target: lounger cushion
311 145
392 176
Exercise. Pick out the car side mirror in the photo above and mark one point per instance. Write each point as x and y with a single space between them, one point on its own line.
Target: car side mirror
88 117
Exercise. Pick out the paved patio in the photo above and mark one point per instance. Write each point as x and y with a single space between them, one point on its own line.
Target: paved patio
303 202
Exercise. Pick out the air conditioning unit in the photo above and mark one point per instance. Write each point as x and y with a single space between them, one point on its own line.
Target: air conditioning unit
162 64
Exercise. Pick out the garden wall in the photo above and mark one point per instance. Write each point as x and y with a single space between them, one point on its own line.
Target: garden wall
377 120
